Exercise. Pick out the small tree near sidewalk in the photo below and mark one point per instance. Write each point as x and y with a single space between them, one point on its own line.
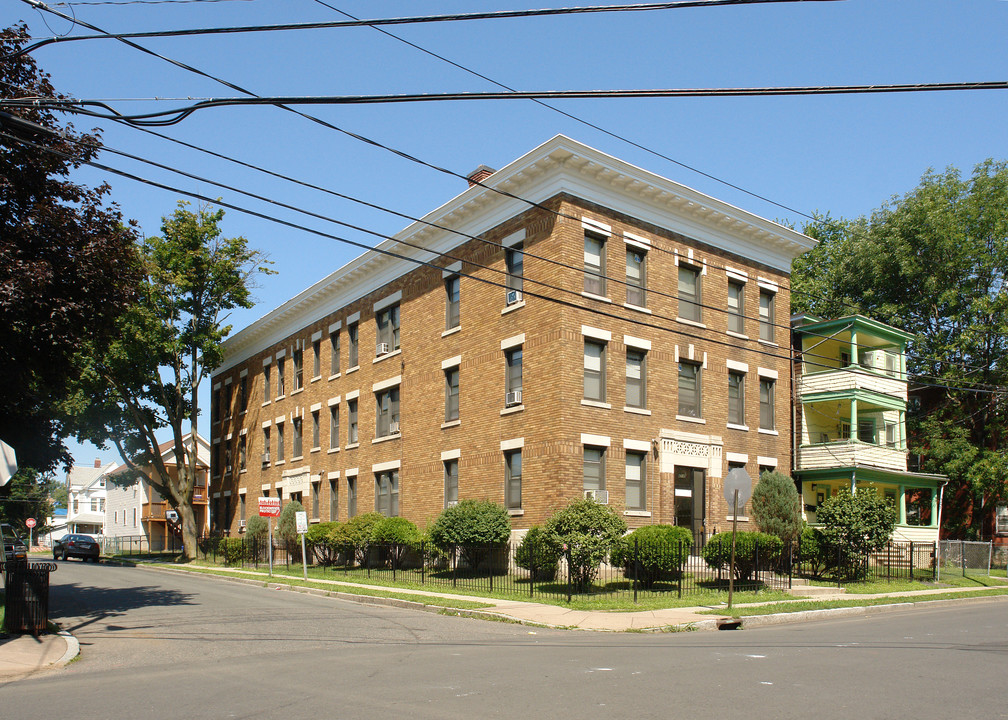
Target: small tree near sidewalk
776 506
854 525
586 531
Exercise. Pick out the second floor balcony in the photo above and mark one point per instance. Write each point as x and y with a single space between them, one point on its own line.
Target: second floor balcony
850 453
848 380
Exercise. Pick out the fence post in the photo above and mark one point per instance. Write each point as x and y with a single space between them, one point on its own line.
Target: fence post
533 553
423 562
454 565
635 565
838 571
492 550
393 547
567 553
962 555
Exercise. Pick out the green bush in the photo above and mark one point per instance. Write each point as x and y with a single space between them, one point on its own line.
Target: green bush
476 528
586 531
355 534
321 545
813 551
286 528
538 555
753 551
231 549
776 506
399 534
256 529
854 525
661 553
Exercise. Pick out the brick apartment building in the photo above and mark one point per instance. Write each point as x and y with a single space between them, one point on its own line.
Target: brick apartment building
608 331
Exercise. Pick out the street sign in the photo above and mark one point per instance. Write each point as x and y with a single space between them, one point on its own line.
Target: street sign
301 519
269 507
30 522
171 515
738 479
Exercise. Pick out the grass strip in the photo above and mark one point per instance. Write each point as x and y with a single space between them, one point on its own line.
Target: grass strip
806 605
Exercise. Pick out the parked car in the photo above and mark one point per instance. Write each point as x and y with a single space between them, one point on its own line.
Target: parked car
82 546
14 548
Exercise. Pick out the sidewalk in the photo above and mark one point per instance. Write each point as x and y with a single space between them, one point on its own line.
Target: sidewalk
23 655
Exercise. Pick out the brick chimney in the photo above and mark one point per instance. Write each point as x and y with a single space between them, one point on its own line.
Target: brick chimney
97 462
480 174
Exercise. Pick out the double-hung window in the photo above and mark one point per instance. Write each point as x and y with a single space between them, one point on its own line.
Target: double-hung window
298 358
451 393
296 448
689 389
387 493
266 446
315 433
451 482
766 403
352 345
334 427
594 264
513 377
351 500
452 285
594 370
334 344
243 394
280 442
387 409
513 478
514 259
280 378
736 307
767 300
266 383
316 361
636 277
352 422
387 320
242 448
736 397
689 293
636 378
636 480
594 469
333 501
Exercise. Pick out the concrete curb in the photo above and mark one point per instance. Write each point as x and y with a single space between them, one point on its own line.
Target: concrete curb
72 651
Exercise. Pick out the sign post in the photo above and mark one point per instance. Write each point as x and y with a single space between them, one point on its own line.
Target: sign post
737 491
269 507
301 518
30 522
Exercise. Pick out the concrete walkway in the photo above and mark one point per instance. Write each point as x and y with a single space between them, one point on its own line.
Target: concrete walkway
23 655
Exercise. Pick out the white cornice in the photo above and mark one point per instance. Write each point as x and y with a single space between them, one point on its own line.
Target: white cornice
560 165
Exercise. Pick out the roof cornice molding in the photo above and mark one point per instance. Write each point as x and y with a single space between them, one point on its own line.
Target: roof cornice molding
560 165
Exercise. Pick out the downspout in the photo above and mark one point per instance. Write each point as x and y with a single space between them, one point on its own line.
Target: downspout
941 497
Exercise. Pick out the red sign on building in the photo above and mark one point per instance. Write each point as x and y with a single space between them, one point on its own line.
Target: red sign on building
269 507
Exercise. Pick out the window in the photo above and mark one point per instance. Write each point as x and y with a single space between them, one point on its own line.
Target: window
94 504
514 259
736 307
689 293
215 404
866 431
227 459
352 421
351 345
636 277
766 404
387 412
266 383
296 448
280 442
388 328
266 446
918 506
450 482
594 371
892 434
334 352
333 427
736 398
452 302
315 441
636 378
636 480
351 496
314 499
1001 520
242 447
513 378
512 478
298 358
594 468
316 347
226 400
451 394
689 390
766 315
594 264
241 504
387 493
243 394
280 377
333 501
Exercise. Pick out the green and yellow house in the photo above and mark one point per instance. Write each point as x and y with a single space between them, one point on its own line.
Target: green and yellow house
850 420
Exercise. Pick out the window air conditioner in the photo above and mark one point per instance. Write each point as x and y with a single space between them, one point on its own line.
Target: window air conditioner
513 398
452 503
599 496
381 349
241 524
265 458
514 297
874 359
394 427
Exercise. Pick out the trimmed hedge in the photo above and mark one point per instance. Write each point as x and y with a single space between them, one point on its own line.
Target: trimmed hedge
661 554
321 544
753 551
478 528
586 531
538 555
232 549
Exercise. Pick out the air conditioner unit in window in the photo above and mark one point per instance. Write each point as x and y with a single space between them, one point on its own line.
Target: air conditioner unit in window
513 398
381 349
599 496
394 427
514 297
241 524
452 503
265 458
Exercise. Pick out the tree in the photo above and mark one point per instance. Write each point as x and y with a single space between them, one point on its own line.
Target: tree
776 507
934 263
68 265
586 531
169 341
855 524
28 495
474 527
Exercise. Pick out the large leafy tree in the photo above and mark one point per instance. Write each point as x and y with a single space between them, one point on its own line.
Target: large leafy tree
168 343
68 264
934 263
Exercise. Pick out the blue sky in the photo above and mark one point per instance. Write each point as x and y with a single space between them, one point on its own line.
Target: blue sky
845 155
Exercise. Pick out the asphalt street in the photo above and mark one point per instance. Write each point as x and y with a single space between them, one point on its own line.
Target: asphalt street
155 644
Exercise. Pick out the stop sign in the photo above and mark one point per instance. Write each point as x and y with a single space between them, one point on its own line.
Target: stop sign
30 522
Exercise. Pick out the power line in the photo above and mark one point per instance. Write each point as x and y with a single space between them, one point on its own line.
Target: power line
174 116
375 22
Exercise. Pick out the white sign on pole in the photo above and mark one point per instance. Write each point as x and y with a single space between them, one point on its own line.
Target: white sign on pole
301 518
738 479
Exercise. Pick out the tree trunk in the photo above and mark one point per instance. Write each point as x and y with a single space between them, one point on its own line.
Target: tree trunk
187 521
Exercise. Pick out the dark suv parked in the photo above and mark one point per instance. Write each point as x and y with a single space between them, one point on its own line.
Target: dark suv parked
14 548
83 546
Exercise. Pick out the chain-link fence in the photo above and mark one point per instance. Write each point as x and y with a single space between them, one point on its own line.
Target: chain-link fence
964 557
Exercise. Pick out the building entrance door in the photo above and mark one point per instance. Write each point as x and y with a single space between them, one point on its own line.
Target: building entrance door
690 493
